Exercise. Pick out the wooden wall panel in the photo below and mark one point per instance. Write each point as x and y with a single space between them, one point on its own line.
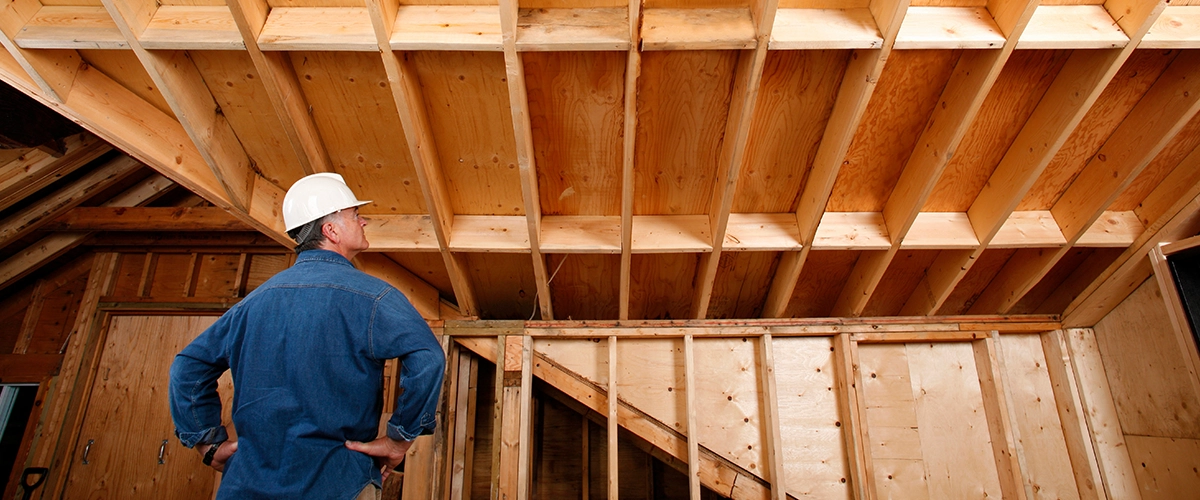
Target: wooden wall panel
892 421
356 118
727 400
467 100
585 286
263 266
130 267
1140 71
216 275
1030 397
743 279
576 107
504 286
814 457
795 100
955 444
62 292
1183 144
683 102
1146 372
238 90
558 441
893 122
820 283
1020 86
1165 467
170 275
661 286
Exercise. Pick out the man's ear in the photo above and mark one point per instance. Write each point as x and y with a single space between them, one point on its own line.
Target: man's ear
329 229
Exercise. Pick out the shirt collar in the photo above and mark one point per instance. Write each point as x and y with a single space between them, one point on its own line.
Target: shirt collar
322 256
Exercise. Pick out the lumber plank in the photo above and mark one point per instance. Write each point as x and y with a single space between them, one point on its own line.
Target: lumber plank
446 27
282 87
1072 27
671 233
809 29
851 230
761 232
192 28
858 84
53 72
573 29
948 28
146 219
771 420
1010 465
1029 229
896 453
30 218
490 233
518 99
940 230
410 104
1071 413
1100 412
184 89
697 29
36 169
71 27
852 410
1112 229
1174 29
693 429
318 29
581 234
612 398
1159 115
633 70
401 233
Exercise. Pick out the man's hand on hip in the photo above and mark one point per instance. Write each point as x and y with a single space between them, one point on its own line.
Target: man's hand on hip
387 452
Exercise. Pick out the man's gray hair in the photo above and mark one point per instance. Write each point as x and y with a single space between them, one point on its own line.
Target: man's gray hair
309 236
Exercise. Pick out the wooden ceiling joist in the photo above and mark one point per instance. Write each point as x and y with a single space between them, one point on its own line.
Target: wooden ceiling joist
857 87
1061 109
1158 116
37 169
146 219
52 246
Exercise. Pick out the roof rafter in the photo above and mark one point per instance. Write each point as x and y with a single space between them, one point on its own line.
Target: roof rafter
38 169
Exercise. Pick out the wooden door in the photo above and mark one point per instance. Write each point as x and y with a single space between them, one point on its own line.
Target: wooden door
128 420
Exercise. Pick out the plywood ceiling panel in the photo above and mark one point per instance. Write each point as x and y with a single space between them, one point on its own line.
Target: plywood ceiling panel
585 286
683 102
821 281
1012 100
356 117
1162 165
743 279
576 106
797 96
124 67
908 89
467 100
661 286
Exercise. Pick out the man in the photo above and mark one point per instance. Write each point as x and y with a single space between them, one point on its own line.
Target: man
306 350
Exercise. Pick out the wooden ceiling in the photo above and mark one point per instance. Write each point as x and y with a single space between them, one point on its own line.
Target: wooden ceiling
610 159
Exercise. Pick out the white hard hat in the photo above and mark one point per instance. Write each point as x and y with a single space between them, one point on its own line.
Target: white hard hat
316 196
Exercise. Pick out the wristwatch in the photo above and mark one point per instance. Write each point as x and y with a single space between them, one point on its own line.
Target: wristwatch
212 451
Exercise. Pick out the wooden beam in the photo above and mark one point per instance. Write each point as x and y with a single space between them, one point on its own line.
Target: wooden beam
182 86
410 104
853 412
1001 424
1154 121
37 169
28 368
746 82
961 99
770 405
633 69
866 65
1071 414
52 71
32 217
146 219
1100 412
693 436
518 104
613 421
282 86
1077 86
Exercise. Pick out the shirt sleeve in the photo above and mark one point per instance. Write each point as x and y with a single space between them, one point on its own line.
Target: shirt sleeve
195 404
398 331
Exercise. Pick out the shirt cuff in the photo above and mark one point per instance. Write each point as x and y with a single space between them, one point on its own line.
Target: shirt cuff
206 436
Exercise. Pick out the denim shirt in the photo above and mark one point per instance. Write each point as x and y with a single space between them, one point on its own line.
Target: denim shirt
307 350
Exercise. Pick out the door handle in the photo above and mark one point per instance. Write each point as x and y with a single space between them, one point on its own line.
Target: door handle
87 449
162 450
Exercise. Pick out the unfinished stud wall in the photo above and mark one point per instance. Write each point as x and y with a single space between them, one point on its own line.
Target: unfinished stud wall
1155 393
